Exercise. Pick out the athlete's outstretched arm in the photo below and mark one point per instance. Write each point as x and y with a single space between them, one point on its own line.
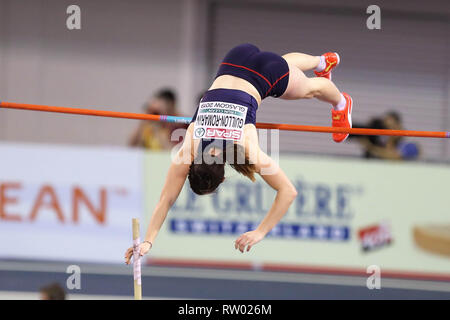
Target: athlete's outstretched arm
286 193
173 185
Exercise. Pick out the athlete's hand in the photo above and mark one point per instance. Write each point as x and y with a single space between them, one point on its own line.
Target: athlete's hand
144 248
248 239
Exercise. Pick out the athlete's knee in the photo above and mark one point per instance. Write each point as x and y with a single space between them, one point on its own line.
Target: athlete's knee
300 92
316 86
309 95
295 93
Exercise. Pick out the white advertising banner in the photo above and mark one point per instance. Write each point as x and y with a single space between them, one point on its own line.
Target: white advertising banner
68 203
76 204
348 215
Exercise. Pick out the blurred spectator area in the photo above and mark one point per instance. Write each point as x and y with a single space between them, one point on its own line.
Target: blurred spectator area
52 291
386 147
126 50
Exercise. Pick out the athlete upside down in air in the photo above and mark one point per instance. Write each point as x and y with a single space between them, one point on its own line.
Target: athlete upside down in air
246 77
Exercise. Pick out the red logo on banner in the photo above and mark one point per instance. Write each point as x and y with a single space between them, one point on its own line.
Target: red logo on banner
375 236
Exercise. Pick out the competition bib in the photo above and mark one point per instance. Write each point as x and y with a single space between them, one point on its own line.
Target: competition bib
220 120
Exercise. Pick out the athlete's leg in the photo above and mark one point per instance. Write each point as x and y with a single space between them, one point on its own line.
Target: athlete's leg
302 87
302 61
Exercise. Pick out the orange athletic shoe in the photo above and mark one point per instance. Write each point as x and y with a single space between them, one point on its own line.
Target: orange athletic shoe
332 61
342 118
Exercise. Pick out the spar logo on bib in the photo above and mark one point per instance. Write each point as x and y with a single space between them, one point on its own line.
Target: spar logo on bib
220 120
223 134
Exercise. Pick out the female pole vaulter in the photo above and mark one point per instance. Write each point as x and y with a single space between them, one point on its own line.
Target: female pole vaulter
223 130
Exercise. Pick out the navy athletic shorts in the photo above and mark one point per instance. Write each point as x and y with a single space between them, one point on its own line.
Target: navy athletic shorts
266 71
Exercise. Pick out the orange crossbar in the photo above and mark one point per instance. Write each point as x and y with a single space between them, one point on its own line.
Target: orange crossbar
281 126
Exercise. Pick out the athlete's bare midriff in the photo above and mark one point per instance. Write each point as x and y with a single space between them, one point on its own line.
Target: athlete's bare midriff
236 83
